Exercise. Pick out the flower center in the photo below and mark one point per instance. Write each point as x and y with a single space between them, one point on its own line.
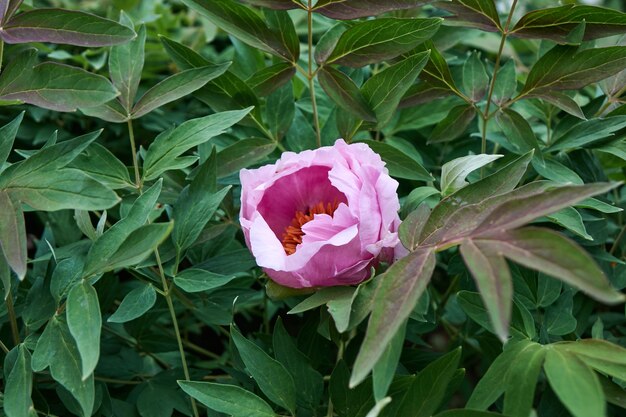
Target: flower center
293 233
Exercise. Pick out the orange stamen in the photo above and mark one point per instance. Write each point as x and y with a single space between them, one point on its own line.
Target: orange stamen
293 233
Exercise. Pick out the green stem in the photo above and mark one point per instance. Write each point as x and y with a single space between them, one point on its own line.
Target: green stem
13 320
4 347
170 306
311 75
618 239
133 148
486 115
1 53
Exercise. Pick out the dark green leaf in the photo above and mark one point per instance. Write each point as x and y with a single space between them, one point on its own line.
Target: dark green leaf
19 386
384 90
411 228
518 131
13 234
588 132
242 154
399 164
138 246
271 375
125 67
385 369
371 41
454 124
481 14
269 79
506 83
343 91
475 78
64 26
354 9
521 379
7 136
197 280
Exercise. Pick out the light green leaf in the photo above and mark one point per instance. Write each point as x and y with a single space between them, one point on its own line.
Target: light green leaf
99 163
229 399
12 235
399 163
125 67
385 369
198 280
7 136
84 322
475 78
454 173
138 246
19 385
134 305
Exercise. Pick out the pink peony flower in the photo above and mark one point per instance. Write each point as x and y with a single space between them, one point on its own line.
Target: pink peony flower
321 218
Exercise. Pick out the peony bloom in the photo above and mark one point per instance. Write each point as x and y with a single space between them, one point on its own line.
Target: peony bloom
321 218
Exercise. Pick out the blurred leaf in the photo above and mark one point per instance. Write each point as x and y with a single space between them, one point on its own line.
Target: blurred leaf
475 78
371 41
229 399
384 90
125 67
167 148
555 255
575 384
245 24
52 86
454 173
84 322
453 125
8 8
521 379
176 86
493 279
56 349
398 163
13 234
271 375
66 27
395 298
134 304
19 385
343 91
354 9
556 23
242 154
385 369
481 14
563 68
197 280
570 219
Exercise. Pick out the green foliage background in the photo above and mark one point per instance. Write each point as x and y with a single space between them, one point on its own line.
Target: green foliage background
128 289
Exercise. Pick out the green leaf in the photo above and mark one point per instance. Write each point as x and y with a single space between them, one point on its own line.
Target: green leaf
196 205
53 86
588 132
242 154
8 9
399 163
411 228
265 81
309 382
134 304
385 369
562 68
506 83
556 23
395 298
555 255
563 102
84 322
384 90
138 246
5 275
229 399
66 27
570 219
13 234
518 131
454 173
576 385
167 148
327 43
322 297
107 244
198 280
428 390
493 279
376 40
454 124
56 349
125 67
467 413
176 86
99 163
271 376
604 356
280 23
7 137
111 111
481 14
521 380
436 73
500 182
19 385
475 78
558 320
345 93
65 276
245 24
